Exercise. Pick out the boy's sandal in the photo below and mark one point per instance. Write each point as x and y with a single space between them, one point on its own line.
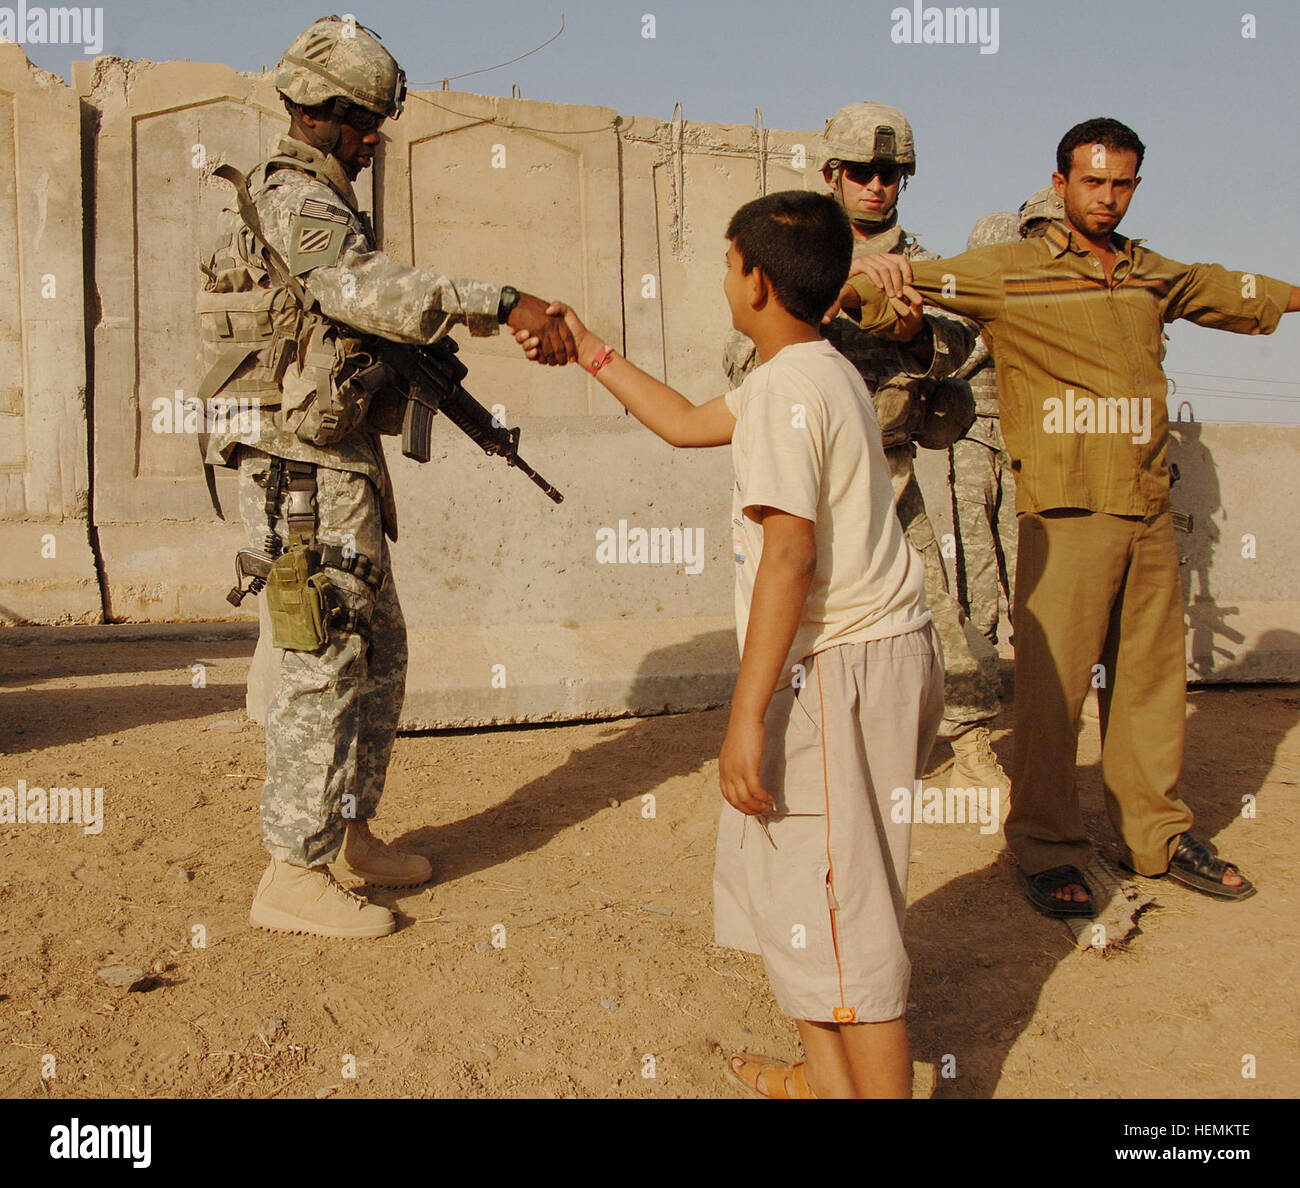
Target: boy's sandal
1038 890
769 1077
1194 865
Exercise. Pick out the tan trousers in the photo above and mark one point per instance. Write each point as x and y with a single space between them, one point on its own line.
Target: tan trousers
1098 600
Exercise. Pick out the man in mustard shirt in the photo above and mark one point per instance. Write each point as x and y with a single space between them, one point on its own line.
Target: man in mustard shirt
1074 320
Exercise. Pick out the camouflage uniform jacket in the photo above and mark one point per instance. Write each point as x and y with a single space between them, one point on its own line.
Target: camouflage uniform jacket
979 372
363 289
894 371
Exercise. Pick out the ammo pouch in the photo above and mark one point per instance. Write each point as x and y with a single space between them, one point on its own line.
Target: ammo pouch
247 336
898 408
327 395
297 601
948 414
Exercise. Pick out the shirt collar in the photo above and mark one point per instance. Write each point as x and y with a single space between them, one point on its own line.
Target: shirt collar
1063 238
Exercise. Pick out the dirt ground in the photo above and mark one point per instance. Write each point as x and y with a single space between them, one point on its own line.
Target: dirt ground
603 980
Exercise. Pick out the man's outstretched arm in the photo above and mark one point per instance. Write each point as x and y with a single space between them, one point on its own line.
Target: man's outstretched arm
1213 296
969 285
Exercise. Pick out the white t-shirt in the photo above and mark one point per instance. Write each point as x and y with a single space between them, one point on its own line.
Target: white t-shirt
807 442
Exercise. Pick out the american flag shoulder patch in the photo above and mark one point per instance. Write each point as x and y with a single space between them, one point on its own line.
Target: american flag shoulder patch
316 209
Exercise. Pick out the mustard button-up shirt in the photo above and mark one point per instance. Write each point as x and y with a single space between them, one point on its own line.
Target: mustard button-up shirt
1078 358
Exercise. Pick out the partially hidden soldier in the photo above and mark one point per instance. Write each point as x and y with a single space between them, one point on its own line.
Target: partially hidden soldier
982 477
295 297
867 154
982 480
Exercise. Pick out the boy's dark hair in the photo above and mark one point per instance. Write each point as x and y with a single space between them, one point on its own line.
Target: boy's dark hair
803 242
1107 132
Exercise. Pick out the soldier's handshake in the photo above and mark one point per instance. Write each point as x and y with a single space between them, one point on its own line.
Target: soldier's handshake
552 342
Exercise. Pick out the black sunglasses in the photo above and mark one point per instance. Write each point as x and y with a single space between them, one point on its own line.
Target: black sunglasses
861 172
360 118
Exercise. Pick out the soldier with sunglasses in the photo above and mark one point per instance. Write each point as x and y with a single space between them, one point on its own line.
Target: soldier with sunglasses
867 155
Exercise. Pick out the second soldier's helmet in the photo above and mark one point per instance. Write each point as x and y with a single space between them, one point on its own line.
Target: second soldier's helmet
340 59
1041 206
868 132
1000 227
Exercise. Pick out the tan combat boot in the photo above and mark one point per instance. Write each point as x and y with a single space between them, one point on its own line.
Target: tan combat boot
309 899
976 766
365 857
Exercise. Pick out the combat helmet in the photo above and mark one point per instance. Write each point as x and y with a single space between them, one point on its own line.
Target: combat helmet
343 61
868 132
1000 227
1040 207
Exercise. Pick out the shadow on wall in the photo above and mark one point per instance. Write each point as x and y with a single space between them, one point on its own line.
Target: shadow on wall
1213 638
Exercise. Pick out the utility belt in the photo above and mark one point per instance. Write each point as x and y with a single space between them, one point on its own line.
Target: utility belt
305 607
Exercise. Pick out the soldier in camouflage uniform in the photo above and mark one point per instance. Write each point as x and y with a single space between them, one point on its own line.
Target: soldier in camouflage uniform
983 485
333 718
983 482
867 153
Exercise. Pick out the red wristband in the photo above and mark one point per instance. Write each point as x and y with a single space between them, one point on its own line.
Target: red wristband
603 356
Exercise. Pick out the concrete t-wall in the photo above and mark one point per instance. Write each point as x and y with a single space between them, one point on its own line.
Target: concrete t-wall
516 607
48 573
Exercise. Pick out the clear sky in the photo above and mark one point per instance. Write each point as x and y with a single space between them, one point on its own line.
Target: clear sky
1216 109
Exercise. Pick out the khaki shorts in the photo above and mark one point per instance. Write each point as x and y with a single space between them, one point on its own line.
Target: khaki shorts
822 901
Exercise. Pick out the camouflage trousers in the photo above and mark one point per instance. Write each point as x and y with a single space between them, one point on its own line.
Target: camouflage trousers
332 720
984 518
970 693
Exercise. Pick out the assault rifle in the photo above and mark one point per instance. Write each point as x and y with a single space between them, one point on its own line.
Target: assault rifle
432 376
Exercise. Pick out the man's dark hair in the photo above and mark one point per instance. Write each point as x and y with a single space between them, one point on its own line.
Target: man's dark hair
803 242
1109 133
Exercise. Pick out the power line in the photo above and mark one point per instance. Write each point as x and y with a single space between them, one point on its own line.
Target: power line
1211 394
485 69
1240 378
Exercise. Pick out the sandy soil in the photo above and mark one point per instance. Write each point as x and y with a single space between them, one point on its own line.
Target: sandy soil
608 957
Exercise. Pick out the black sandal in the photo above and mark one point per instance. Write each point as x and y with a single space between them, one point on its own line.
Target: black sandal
1195 866
1038 890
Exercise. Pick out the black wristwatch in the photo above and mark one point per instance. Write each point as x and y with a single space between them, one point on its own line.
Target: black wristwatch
509 299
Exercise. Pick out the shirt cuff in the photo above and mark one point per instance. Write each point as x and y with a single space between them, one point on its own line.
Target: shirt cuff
480 302
876 313
1277 295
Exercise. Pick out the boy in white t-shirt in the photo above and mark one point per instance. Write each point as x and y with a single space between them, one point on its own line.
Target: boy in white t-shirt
840 689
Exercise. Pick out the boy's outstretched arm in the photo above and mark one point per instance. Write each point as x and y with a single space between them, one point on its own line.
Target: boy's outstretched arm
661 409
785 572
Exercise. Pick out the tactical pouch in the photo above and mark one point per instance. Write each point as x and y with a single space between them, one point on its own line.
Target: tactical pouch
898 408
949 414
247 337
296 600
327 396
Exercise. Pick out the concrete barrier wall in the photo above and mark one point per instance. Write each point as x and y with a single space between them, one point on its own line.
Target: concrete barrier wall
518 609
49 567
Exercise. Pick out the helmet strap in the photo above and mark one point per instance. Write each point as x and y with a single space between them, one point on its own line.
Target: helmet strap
325 137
